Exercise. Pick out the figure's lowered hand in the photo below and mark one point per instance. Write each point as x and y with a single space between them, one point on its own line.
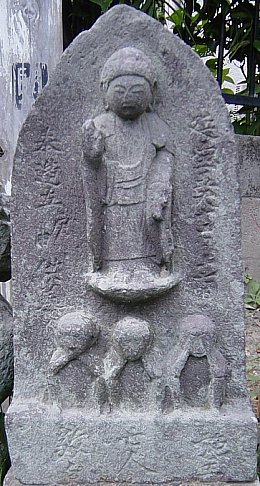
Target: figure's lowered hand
160 197
156 210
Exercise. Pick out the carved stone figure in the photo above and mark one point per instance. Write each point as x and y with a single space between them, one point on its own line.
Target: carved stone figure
130 340
131 151
75 334
6 329
5 238
196 371
126 220
6 317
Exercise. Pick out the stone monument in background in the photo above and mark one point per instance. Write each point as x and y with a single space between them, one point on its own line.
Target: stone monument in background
128 292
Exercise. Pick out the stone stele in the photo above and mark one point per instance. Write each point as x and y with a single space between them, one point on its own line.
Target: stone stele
128 291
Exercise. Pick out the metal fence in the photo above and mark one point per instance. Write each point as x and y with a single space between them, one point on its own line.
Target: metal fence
251 99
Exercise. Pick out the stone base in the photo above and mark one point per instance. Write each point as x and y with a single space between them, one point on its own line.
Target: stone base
11 481
132 289
50 446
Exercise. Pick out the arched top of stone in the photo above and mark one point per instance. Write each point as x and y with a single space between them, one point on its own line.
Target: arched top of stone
49 216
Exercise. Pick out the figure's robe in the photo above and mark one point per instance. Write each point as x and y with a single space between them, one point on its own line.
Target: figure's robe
130 166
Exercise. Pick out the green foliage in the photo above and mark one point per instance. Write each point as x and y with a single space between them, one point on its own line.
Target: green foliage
104 4
77 15
212 64
248 121
199 24
154 8
252 298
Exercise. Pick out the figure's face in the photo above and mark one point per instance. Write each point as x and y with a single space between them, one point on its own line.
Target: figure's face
128 96
197 347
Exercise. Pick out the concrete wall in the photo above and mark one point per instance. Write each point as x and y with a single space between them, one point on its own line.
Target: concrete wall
249 151
30 47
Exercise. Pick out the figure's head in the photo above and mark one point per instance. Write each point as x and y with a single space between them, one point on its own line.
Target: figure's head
200 334
197 347
131 337
128 81
76 331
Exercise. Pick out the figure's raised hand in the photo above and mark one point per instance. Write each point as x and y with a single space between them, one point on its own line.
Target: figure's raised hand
93 142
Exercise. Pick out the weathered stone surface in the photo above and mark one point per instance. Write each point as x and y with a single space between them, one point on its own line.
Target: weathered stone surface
249 157
6 350
133 285
5 238
4 455
250 226
10 480
133 448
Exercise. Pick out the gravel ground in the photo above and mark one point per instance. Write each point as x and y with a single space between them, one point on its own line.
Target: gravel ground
253 357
